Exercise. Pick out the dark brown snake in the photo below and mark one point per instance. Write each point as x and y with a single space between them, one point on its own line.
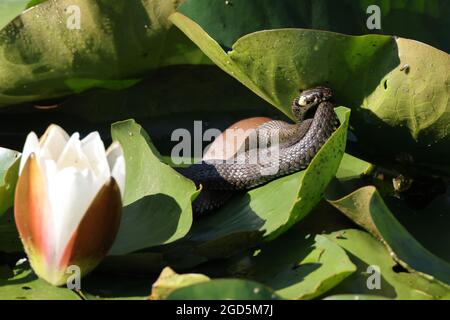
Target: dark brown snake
296 145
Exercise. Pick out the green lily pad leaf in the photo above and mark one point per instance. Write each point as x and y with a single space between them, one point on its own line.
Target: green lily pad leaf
170 281
9 9
370 74
224 289
366 207
353 168
353 173
32 3
226 22
298 266
80 85
355 297
366 251
9 170
157 199
25 285
262 211
50 48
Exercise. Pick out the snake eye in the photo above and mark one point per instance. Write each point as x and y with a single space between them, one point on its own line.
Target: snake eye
304 101
307 100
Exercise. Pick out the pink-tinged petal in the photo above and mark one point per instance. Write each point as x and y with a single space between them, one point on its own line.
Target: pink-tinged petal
96 232
31 146
32 215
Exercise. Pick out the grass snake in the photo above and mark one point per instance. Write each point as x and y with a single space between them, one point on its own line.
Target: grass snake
276 148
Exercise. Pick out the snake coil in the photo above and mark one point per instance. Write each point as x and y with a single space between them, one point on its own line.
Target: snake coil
296 145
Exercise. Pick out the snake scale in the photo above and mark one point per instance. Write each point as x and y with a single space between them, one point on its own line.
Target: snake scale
296 145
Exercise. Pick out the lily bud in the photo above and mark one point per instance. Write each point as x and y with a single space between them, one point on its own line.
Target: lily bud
68 201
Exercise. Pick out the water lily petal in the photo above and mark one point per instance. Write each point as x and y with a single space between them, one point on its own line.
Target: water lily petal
53 142
70 192
116 162
96 232
31 146
72 155
94 150
32 214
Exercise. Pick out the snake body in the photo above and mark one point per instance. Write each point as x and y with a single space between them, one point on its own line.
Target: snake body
296 145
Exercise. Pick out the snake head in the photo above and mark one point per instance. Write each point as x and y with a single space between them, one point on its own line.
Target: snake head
308 99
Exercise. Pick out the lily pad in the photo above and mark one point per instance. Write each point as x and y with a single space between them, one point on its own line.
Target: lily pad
47 53
305 268
157 199
226 22
9 170
170 281
366 207
224 289
24 285
353 168
364 251
9 9
353 173
393 85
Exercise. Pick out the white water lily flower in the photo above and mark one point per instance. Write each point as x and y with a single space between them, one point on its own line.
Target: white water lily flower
68 201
